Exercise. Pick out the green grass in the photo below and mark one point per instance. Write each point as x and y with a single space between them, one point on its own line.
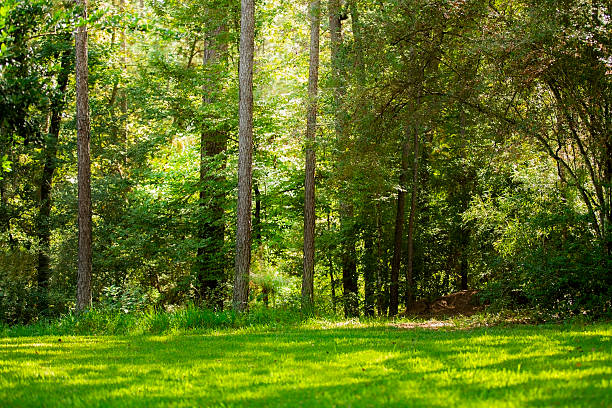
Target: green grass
314 365
100 321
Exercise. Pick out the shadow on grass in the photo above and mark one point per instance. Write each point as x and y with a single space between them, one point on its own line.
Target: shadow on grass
357 367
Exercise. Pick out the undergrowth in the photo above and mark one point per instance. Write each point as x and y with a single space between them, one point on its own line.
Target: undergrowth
101 321
110 321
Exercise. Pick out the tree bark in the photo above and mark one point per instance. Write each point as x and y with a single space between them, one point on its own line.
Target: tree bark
257 222
213 142
399 233
411 219
330 262
349 265
309 178
382 277
84 165
123 94
44 227
245 156
369 273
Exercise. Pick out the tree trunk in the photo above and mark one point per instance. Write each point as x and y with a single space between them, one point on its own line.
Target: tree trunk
44 227
257 223
332 280
415 178
213 142
84 165
123 94
349 264
309 179
245 156
369 274
210 264
382 277
399 233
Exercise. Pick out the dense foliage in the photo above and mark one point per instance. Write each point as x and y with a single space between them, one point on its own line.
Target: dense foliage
491 120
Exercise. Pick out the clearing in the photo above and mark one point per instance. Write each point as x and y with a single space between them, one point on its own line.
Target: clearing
314 366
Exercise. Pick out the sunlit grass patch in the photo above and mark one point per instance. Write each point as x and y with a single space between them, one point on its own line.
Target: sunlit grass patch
550 365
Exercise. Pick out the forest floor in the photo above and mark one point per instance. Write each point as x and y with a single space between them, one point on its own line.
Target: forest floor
316 365
462 303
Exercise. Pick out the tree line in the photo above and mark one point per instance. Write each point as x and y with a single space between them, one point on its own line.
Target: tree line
349 156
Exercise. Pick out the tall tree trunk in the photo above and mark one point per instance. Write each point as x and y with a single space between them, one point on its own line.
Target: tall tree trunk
415 177
257 222
369 273
44 227
245 156
309 178
399 233
330 262
349 264
607 207
465 194
382 277
123 94
84 165
213 142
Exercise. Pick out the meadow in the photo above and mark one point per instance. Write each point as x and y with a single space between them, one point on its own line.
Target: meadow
314 364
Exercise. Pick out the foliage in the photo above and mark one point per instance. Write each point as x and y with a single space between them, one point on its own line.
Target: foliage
509 102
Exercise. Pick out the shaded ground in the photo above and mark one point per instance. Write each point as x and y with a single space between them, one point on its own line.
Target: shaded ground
463 303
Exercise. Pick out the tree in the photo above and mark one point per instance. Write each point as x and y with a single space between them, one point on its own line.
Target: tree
309 181
213 143
245 156
399 234
50 164
84 165
347 238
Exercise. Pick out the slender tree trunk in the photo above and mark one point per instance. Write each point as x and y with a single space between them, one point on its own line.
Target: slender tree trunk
245 156
411 219
123 93
369 273
84 165
349 265
257 223
332 281
210 264
399 233
607 207
309 179
330 262
213 142
44 227
465 194
382 276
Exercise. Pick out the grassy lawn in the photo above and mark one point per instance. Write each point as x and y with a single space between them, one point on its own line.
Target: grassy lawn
310 366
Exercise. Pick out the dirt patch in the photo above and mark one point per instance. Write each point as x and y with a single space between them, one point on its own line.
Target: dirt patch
463 303
432 324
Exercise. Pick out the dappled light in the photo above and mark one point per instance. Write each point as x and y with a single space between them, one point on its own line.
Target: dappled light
360 366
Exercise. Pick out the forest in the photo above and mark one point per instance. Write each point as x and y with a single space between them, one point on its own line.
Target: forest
397 151
305 203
